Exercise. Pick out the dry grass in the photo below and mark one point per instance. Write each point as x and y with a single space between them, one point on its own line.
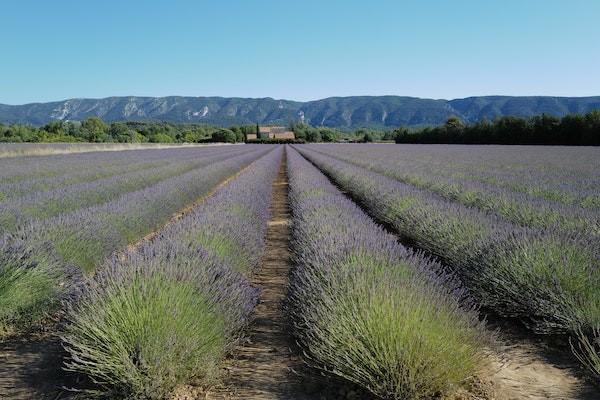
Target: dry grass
45 149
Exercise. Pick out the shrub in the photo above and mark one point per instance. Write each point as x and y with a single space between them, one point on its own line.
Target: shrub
545 276
549 281
224 135
587 349
152 322
38 274
32 283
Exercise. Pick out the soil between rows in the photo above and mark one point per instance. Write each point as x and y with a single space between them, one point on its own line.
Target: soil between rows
31 368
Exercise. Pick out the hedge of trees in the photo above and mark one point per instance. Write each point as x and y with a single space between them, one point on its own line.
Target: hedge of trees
309 133
95 130
572 129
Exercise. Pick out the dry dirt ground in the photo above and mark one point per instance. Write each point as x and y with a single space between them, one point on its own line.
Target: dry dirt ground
527 367
30 368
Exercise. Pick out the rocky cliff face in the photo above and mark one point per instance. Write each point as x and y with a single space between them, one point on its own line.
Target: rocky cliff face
342 112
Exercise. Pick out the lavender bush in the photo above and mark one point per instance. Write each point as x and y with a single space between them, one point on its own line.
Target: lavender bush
165 315
27 175
85 166
14 150
31 282
369 310
587 349
559 174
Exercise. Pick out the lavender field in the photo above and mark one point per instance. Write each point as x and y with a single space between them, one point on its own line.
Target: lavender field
410 272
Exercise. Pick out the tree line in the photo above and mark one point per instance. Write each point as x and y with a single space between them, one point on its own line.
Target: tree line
572 129
97 131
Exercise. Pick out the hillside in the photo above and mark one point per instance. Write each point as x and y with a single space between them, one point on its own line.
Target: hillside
342 112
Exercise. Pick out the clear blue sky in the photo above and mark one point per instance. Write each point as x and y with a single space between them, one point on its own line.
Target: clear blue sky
52 50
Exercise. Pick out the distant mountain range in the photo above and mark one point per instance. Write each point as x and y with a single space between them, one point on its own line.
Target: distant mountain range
341 112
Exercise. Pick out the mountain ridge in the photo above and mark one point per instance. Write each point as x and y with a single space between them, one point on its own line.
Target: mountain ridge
338 111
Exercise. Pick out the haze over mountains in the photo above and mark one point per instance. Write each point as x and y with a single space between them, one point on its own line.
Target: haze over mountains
341 112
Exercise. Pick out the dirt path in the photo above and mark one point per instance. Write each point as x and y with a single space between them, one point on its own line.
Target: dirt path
30 368
264 366
526 367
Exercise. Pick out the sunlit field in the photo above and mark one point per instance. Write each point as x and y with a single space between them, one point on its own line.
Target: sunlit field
408 266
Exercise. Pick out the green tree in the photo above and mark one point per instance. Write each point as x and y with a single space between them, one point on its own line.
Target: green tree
368 138
94 129
328 135
121 132
401 135
161 138
224 136
55 128
313 135
453 124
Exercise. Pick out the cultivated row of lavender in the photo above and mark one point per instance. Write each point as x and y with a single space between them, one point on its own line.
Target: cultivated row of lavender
516 207
367 309
567 175
86 237
46 204
166 313
79 174
16 169
32 281
28 175
549 280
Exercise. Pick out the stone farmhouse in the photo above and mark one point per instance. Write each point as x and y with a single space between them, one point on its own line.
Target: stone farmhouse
275 132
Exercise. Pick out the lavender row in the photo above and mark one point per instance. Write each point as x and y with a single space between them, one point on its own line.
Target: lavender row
166 314
74 170
32 282
16 169
369 310
79 174
42 205
83 239
87 236
567 175
516 207
549 280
